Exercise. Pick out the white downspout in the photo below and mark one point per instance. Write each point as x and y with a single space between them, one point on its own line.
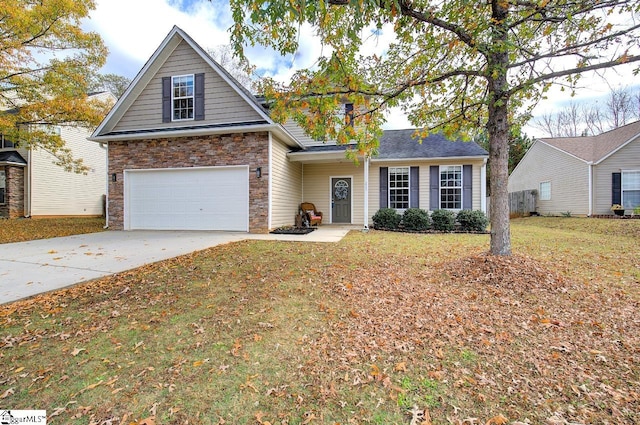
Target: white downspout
590 189
366 192
106 200
483 187
27 204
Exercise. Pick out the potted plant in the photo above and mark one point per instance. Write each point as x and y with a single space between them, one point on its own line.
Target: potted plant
617 209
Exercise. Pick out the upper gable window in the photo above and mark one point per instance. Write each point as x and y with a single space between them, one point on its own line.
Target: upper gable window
183 97
5 142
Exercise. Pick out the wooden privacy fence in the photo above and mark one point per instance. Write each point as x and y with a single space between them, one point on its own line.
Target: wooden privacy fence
523 202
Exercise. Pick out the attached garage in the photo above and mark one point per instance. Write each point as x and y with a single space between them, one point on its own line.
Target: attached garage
197 198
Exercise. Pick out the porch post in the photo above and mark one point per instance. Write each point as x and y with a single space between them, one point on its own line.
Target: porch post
483 187
366 192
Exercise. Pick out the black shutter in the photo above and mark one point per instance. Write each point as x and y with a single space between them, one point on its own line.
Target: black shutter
166 99
348 114
467 187
434 186
199 97
384 187
414 187
616 188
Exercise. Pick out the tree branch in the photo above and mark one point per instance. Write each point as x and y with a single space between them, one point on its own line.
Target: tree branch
573 71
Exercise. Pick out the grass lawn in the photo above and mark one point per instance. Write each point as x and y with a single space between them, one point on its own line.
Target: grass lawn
28 229
380 328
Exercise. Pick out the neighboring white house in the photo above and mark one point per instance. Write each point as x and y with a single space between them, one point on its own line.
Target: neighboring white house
583 175
31 184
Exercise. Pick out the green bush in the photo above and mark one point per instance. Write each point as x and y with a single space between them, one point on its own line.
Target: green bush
386 218
472 221
443 220
416 219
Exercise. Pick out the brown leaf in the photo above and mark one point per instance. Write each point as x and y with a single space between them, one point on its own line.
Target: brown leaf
77 351
497 420
401 367
7 393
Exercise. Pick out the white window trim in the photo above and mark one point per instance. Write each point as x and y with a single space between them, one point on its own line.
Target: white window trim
193 96
622 189
540 190
450 187
408 168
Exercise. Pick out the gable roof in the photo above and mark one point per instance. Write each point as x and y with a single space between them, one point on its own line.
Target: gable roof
147 73
11 157
403 144
596 148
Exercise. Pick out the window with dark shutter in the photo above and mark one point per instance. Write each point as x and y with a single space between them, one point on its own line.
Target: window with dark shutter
166 99
616 188
199 97
467 187
384 187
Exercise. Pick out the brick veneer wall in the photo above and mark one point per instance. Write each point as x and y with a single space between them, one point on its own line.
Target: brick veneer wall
250 149
13 193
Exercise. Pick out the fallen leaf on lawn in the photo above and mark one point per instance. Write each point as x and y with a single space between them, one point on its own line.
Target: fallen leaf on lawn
77 351
151 420
7 393
497 420
401 367
18 370
92 386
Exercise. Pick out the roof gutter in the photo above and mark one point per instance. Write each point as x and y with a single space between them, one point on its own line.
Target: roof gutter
143 134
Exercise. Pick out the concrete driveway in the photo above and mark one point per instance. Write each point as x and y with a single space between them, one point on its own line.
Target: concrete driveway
30 268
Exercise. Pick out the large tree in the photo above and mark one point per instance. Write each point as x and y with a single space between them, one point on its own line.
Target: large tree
47 63
114 83
454 65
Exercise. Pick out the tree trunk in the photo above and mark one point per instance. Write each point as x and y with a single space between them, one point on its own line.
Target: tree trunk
498 131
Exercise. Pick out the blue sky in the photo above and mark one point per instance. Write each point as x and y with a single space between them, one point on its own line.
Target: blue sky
133 29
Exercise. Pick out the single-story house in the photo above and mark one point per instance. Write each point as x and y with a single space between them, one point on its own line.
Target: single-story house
189 148
582 175
32 185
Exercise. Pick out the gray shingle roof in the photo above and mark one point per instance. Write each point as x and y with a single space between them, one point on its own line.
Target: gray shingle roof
12 157
401 144
594 148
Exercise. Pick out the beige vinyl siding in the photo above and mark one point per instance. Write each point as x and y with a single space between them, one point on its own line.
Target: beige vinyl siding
286 186
626 159
567 174
55 191
317 187
424 175
222 103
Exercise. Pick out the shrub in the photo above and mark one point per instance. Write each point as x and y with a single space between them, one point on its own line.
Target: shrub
443 220
416 219
472 221
386 218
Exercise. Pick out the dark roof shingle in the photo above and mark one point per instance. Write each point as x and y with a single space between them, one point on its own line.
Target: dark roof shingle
401 144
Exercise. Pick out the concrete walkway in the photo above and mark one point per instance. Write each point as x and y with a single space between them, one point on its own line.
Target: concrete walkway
34 267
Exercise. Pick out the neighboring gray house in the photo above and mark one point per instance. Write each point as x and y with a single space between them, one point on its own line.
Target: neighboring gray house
583 175
189 148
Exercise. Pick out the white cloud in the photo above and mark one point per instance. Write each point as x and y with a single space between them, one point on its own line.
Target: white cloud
133 29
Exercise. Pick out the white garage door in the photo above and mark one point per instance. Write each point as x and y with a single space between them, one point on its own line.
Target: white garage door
215 198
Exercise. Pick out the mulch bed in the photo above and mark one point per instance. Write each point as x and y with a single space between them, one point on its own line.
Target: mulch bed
293 230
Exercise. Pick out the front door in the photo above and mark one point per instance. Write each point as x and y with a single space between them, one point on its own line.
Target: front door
341 200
